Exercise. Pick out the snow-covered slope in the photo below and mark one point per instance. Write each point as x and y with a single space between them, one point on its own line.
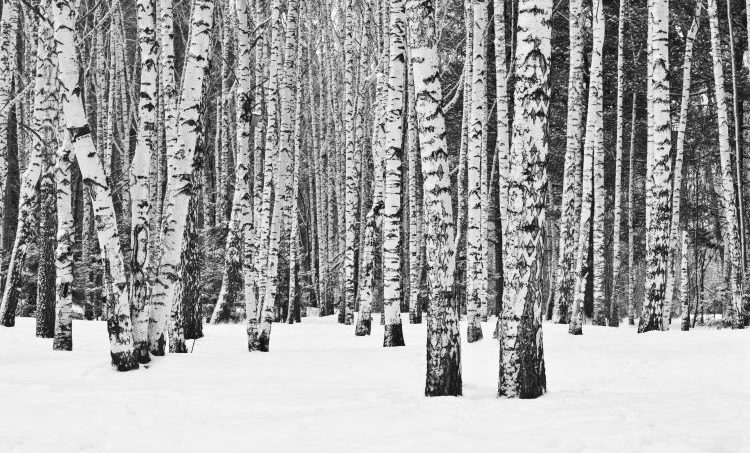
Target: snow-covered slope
321 389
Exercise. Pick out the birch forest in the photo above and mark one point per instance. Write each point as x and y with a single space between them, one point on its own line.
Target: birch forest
441 173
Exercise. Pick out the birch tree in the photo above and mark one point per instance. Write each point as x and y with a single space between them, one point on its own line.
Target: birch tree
139 177
8 30
658 167
283 192
352 176
614 313
522 372
64 253
393 335
596 89
732 233
571 204
94 177
180 161
443 335
476 284
684 295
675 229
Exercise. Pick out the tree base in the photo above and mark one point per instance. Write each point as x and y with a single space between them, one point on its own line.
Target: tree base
474 332
157 348
393 336
449 384
140 349
575 329
62 344
364 327
124 361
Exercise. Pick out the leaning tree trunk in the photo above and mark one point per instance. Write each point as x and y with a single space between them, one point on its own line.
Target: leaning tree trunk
30 185
571 206
139 178
476 285
180 161
658 178
728 193
675 229
64 253
393 334
522 373
443 334
92 171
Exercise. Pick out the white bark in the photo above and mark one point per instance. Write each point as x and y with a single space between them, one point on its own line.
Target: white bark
93 173
476 283
180 159
64 253
571 202
522 373
393 335
732 234
139 177
443 335
658 166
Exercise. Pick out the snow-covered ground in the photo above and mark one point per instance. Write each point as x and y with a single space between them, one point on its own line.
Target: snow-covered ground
322 389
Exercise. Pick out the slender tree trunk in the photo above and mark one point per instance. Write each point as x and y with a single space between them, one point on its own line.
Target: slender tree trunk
684 296
139 178
675 229
283 191
180 160
592 186
393 335
475 246
732 239
94 176
658 164
8 31
614 303
416 208
522 373
571 206
631 215
443 334
64 253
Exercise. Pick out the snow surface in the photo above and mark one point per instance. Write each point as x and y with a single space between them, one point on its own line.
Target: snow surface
321 389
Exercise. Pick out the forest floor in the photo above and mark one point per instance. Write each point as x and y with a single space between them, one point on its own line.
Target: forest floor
321 389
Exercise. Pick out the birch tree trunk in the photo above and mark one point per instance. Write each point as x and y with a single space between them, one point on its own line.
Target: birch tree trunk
92 171
476 285
64 253
283 192
139 178
614 303
522 372
502 144
8 31
571 206
601 312
675 229
352 176
443 334
658 162
416 238
180 162
393 335
590 181
684 296
631 216
732 234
